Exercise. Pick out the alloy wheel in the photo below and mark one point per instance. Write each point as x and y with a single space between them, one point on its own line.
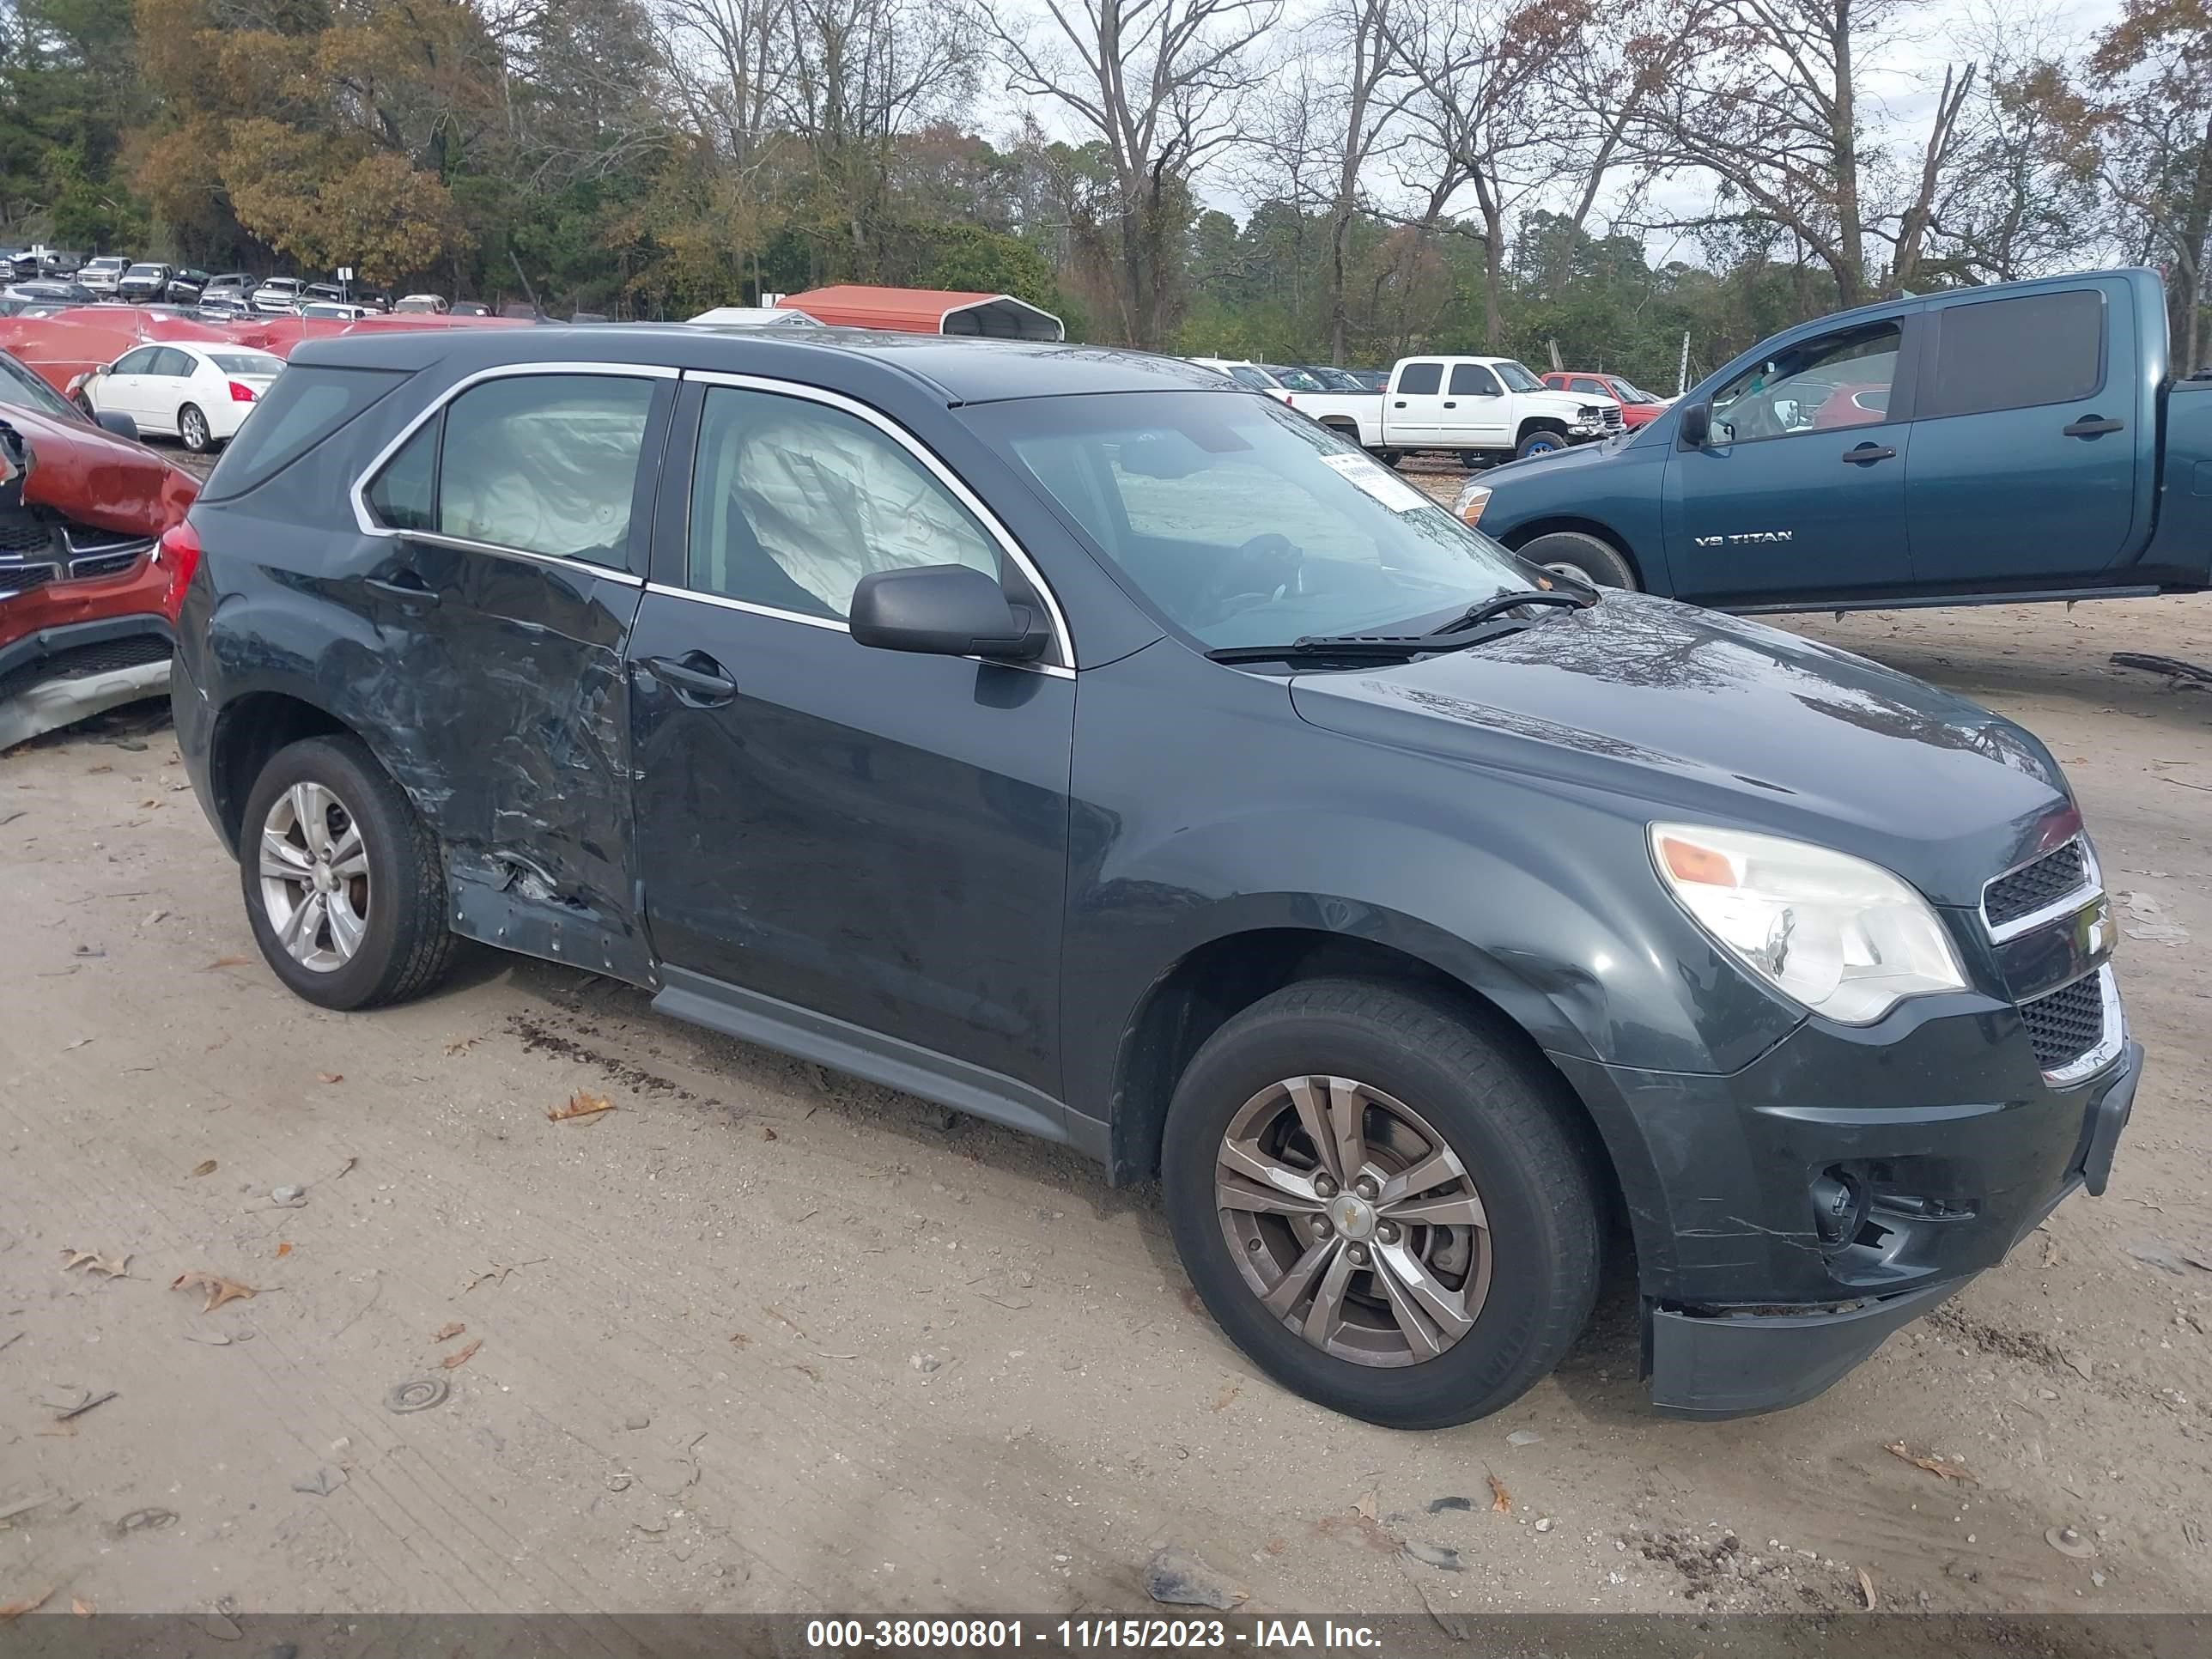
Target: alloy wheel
196 430
314 877
1353 1220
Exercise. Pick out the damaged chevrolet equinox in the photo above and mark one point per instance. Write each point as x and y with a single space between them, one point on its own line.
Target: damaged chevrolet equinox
1072 738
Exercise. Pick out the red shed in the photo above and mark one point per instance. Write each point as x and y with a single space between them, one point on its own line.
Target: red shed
927 311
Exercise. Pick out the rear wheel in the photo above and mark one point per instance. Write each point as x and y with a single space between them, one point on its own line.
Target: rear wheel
1575 553
1378 1203
343 884
192 428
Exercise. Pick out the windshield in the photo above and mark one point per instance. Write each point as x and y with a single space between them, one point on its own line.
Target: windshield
23 389
145 270
1516 378
1244 523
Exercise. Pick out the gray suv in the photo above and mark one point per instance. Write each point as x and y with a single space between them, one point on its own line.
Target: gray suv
1073 737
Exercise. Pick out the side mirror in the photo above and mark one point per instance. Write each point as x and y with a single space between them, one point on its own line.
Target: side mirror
946 610
1697 426
115 420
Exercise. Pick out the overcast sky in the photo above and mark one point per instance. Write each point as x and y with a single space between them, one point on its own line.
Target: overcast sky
1899 90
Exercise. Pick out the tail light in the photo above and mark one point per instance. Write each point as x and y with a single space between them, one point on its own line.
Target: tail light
241 393
179 551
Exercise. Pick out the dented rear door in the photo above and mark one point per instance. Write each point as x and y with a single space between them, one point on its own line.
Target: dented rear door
514 518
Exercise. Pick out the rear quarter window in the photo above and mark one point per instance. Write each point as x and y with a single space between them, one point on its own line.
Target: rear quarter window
301 411
2017 354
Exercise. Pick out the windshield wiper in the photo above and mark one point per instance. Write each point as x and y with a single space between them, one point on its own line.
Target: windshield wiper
1462 631
1489 610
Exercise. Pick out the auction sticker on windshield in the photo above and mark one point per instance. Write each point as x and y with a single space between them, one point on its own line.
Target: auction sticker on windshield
1378 481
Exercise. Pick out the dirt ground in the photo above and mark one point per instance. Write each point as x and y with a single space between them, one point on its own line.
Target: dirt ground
762 1338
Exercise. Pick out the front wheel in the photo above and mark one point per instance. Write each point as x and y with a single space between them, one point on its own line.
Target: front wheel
1582 556
192 428
1380 1205
343 884
1541 443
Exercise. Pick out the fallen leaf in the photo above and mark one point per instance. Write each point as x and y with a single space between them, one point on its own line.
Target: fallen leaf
741 1339
1276 1546
219 1289
282 1251
581 1105
460 1357
204 1167
346 1168
767 1134
1435 1555
84 1406
29 1603
1501 1501
1865 1588
460 1045
1228 1394
1366 1507
93 1261
80 1607
447 1332
809 1372
332 1077
69 1047
227 961
1933 1465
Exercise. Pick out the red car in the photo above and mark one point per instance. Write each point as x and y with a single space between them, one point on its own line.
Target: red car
89 587
1636 406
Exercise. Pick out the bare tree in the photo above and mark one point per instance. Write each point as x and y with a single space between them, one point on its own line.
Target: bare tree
1488 112
1159 83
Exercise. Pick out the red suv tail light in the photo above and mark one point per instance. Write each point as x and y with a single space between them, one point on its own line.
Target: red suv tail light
179 550
241 394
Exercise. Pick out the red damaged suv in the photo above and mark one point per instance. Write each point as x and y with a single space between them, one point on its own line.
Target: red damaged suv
88 586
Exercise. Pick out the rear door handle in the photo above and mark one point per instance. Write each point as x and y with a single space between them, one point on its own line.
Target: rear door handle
696 678
404 584
1867 453
2091 425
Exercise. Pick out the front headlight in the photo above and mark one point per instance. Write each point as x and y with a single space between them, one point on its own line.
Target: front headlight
1845 937
1472 500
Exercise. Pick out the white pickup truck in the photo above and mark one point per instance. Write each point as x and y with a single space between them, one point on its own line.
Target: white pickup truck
1481 409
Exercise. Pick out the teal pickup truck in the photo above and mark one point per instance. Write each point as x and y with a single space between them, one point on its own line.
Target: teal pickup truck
1984 445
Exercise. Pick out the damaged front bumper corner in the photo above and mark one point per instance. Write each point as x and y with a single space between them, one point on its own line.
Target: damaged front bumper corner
51 704
1722 1363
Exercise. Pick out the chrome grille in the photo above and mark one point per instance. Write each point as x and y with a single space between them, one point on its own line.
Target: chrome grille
2068 1024
2024 892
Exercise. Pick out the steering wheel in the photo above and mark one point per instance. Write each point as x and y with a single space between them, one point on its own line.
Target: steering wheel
1257 571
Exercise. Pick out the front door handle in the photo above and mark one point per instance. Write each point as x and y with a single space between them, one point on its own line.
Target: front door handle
404 584
696 678
2091 425
1449 403
1866 453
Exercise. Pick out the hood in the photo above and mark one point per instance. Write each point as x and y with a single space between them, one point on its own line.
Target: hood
1695 715
95 478
1551 397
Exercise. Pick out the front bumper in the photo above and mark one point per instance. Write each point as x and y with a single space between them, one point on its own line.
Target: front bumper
55 677
1954 1143
1739 1364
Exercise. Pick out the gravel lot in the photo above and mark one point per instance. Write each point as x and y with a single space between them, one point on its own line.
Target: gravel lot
763 1338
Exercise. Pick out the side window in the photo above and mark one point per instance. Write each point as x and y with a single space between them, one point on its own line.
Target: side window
794 501
1251 379
2018 354
136 363
404 496
1420 380
174 363
1473 380
539 463
1838 380
1588 387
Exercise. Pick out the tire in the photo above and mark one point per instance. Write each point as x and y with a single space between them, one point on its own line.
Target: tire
1390 456
84 407
1528 1276
192 428
395 906
1542 441
1581 556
